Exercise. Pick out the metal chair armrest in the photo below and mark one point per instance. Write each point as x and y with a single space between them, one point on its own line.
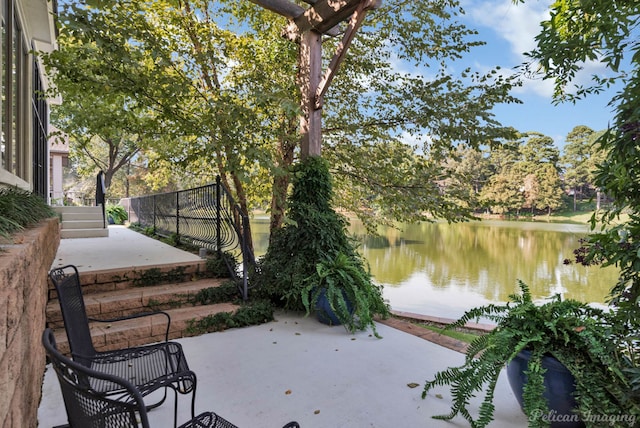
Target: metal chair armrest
138 315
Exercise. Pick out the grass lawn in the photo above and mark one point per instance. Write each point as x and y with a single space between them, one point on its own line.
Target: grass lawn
454 334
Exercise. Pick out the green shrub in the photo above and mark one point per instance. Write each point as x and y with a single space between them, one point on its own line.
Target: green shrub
117 213
226 292
20 209
314 234
220 265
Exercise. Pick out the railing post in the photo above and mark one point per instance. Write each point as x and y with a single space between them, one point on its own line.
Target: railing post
245 264
218 222
154 214
177 217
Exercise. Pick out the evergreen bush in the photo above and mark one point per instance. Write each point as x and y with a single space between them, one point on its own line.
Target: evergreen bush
314 239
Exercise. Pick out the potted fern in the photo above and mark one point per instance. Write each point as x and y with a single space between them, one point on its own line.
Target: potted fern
527 336
341 292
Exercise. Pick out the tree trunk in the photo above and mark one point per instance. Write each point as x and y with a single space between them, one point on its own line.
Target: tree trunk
281 183
241 196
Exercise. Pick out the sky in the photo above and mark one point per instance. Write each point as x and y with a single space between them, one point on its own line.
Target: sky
509 30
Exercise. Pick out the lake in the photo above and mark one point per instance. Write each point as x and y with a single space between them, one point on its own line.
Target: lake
443 269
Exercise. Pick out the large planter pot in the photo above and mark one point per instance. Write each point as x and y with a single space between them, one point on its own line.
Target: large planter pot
559 388
324 313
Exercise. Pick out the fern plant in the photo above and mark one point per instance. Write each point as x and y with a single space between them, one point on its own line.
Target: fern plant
349 290
579 336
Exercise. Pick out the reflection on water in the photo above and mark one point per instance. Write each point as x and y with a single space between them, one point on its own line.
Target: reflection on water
444 269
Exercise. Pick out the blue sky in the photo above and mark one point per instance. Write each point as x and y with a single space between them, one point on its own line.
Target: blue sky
509 31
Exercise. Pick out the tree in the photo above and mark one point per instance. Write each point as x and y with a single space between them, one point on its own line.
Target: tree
504 192
538 166
468 171
576 159
549 188
220 83
102 135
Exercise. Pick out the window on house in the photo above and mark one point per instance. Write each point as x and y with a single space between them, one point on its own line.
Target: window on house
15 98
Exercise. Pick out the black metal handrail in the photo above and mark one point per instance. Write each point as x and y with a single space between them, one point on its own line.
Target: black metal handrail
205 216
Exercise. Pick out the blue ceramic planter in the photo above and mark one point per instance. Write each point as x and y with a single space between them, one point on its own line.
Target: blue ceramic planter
324 313
559 387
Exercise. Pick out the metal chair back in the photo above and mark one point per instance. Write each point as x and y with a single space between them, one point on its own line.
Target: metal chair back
88 408
66 280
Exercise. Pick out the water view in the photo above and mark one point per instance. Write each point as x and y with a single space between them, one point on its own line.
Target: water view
443 269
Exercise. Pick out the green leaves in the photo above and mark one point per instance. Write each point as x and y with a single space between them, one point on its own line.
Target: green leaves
576 334
20 209
312 253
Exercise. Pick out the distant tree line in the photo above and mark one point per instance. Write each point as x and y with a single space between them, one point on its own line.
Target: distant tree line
528 175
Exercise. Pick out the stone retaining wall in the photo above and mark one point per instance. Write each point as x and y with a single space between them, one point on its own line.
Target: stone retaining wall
24 265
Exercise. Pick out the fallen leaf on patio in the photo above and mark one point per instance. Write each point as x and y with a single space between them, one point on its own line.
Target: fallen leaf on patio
353 338
317 412
439 396
288 392
298 334
413 385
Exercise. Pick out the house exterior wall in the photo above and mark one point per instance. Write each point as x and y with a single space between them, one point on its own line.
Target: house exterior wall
58 158
26 25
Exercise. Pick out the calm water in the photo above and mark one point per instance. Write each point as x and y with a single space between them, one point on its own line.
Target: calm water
444 269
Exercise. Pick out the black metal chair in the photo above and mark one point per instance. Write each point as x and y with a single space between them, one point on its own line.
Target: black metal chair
149 368
88 405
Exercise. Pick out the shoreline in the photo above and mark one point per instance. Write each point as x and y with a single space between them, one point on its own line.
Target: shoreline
405 321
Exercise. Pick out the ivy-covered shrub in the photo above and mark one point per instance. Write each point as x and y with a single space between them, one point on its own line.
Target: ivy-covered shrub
314 237
20 209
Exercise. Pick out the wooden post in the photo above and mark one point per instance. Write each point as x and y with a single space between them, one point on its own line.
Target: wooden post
310 76
310 24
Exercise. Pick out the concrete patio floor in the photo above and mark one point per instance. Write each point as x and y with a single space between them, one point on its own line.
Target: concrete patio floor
291 369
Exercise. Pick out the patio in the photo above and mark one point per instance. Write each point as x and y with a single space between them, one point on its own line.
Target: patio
291 369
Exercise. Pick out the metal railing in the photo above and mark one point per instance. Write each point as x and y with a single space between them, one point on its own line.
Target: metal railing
206 217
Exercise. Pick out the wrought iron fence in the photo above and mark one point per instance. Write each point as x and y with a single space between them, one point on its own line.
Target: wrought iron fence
206 217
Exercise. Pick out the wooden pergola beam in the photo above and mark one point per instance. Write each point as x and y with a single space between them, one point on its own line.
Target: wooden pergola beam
281 7
325 14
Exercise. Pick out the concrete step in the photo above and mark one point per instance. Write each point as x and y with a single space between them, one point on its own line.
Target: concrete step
83 224
82 216
128 301
119 279
84 233
145 330
75 209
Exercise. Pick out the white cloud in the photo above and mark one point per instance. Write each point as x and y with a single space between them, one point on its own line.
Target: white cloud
518 25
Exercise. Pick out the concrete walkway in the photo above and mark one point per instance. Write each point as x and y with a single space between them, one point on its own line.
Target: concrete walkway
294 368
